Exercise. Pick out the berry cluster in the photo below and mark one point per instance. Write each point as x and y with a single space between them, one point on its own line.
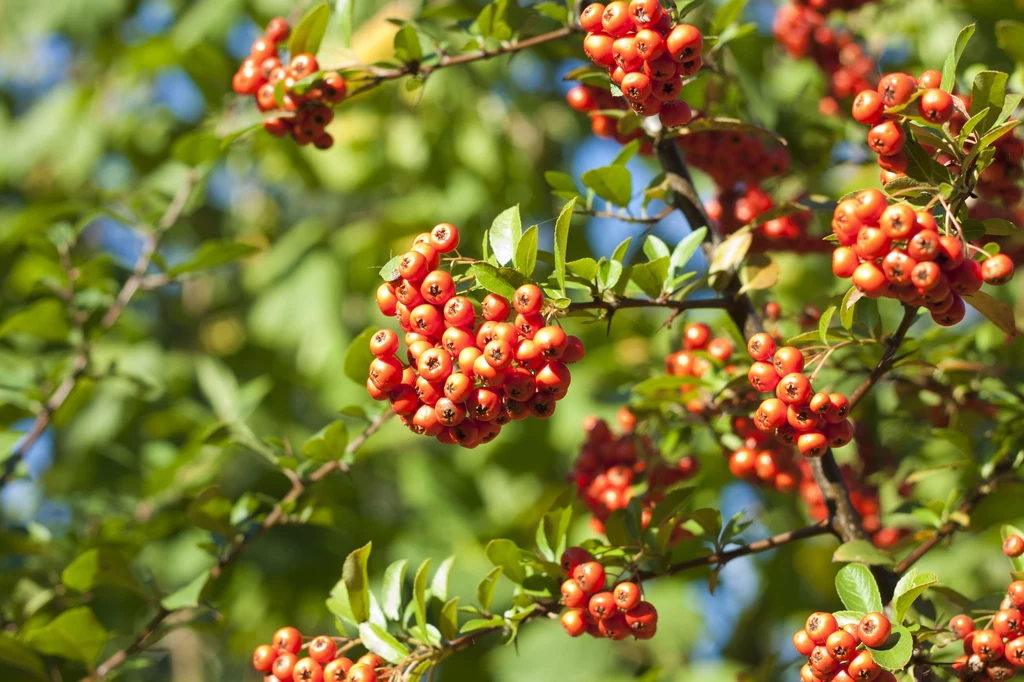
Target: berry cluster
610 468
647 56
731 157
734 208
813 421
593 609
279 661
305 114
802 29
466 377
759 460
997 651
834 653
898 252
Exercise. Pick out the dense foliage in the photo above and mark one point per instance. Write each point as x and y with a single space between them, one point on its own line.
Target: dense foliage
603 248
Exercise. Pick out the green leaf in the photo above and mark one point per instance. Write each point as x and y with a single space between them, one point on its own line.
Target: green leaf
505 553
857 589
585 268
673 503
449 623
896 652
419 593
684 7
502 282
526 252
485 588
505 233
389 271
988 92
824 321
328 444
309 32
562 242
758 273
847 306
664 384
498 20
686 247
98 567
380 642
74 634
726 15
358 357
654 248
998 313
862 551
15 654
626 153
651 277
847 617
212 254
911 586
45 319
482 624
407 45
989 138
391 591
439 583
357 582
186 597
619 254
999 227
562 184
346 11
1010 37
612 183
953 58
732 251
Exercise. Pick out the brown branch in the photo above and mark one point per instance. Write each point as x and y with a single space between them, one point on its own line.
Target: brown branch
650 220
300 486
624 303
983 489
380 75
888 357
81 362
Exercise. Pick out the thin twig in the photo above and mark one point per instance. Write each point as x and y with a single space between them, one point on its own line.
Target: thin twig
613 305
146 636
81 361
888 357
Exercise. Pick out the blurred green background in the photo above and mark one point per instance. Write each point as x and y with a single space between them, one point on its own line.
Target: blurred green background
105 104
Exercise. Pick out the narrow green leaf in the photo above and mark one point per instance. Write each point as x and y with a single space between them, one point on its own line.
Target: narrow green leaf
526 251
407 45
562 242
439 583
419 593
824 321
506 231
728 14
307 35
380 642
654 248
847 306
857 589
449 623
998 313
186 597
357 582
485 588
953 58
686 247
391 593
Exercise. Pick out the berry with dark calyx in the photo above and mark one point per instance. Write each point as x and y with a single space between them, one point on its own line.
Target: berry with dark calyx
322 649
288 639
574 622
627 596
874 629
263 658
820 625
307 670
590 576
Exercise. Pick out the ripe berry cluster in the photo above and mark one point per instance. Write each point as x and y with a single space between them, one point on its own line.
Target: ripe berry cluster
801 27
609 469
834 653
691 361
279 661
308 112
761 461
647 56
897 252
997 651
937 106
467 375
797 415
602 613
734 208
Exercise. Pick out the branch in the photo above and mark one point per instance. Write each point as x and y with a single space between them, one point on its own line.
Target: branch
300 486
380 75
81 362
888 357
679 306
983 489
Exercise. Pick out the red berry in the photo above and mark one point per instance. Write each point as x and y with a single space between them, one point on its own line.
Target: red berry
1013 546
874 629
